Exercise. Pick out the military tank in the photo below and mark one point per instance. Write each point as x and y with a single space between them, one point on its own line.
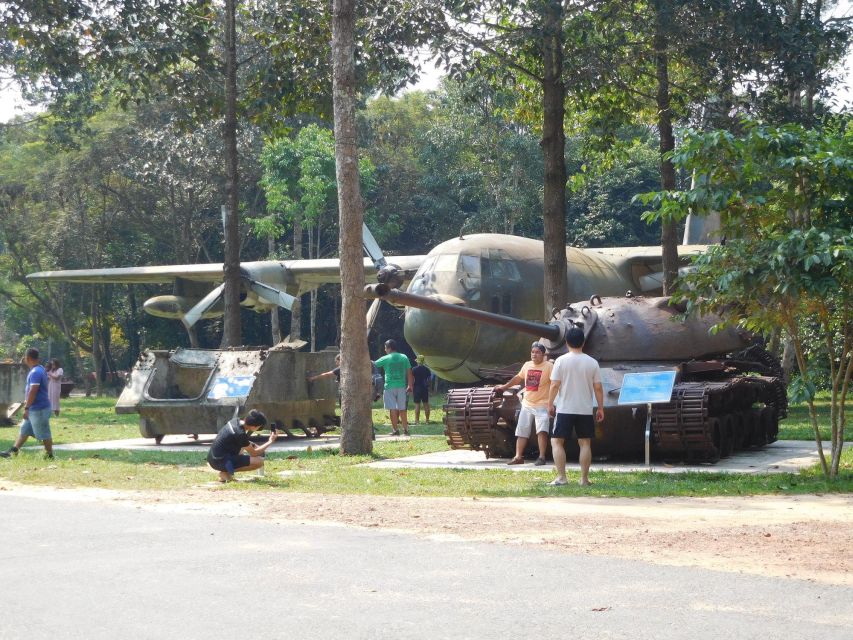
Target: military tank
729 392
191 391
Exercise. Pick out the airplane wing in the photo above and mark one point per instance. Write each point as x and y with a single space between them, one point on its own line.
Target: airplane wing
643 265
307 274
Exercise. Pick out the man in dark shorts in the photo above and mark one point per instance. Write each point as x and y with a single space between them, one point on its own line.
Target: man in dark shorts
420 388
225 453
574 379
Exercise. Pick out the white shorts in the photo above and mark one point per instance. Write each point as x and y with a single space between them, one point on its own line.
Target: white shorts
526 419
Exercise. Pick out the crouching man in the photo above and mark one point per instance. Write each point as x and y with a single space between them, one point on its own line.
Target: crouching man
225 453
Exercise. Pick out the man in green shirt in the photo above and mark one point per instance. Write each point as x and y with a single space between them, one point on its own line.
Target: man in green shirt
398 382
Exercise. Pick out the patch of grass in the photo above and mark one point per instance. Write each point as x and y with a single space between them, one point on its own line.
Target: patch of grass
798 426
324 471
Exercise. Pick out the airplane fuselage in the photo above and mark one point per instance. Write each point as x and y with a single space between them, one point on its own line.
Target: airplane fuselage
504 274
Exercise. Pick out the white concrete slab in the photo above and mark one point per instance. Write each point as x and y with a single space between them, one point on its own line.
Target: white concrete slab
177 443
784 456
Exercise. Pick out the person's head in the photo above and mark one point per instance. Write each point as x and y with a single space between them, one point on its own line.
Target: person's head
55 364
254 420
574 338
31 357
537 352
419 359
390 346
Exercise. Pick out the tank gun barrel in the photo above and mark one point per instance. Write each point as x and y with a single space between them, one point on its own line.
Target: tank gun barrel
553 332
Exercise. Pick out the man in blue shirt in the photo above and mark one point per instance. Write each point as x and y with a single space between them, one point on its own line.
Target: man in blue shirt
37 408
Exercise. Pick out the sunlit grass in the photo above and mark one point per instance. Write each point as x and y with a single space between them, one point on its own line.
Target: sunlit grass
324 471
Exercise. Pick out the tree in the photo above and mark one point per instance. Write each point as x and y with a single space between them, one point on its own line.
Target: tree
356 416
785 196
301 192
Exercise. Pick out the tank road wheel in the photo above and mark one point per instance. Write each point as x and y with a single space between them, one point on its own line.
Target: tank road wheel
759 428
770 423
717 430
728 427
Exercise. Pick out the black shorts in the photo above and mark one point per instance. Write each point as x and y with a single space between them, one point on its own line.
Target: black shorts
573 425
238 462
420 394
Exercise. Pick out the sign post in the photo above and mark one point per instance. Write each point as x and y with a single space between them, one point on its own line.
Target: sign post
648 388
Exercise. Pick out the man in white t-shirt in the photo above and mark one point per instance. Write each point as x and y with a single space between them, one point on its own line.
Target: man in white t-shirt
536 376
574 379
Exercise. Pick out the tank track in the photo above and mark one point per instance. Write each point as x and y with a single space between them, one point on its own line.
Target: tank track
476 418
707 421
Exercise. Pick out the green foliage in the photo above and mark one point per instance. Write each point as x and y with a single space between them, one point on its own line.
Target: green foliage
784 195
299 180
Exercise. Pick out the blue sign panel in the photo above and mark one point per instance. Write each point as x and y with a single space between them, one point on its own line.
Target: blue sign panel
230 387
646 388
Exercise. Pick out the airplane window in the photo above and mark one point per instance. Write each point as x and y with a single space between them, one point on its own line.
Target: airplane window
497 265
470 265
426 267
446 262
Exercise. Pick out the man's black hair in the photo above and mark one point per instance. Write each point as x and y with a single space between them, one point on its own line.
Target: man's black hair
575 338
539 346
255 419
391 344
33 353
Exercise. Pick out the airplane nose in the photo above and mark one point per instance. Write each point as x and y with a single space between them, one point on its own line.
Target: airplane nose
444 340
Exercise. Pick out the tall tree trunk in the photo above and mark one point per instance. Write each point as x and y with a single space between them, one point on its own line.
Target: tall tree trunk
356 418
231 331
553 151
669 239
275 322
296 312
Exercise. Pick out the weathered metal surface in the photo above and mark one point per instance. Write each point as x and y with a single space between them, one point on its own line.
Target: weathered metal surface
174 391
728 395
13 379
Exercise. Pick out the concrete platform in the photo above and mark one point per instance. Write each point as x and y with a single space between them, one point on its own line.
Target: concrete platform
178 443
783 456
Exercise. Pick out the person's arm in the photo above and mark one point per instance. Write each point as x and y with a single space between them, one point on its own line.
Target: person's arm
599 398
325 374
255 449
55 374
410 379
516 379
554 389
31 397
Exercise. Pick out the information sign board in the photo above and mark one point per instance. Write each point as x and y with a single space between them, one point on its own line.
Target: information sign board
647 388
230 387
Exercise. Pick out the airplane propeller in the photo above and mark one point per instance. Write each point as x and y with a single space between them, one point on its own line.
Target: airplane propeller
264 291
386 273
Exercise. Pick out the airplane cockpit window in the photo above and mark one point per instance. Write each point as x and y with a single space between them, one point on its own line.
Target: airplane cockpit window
469 266
496 264
426 267
446 262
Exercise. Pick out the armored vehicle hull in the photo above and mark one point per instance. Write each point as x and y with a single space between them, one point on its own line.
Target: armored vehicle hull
13 379
191 391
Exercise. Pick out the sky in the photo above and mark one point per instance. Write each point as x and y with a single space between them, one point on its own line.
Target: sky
11 103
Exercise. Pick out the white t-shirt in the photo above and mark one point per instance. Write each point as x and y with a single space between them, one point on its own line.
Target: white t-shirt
577 372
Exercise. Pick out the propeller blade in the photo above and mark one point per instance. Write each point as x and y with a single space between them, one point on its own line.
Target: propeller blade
273 295
193 315
372 312
371 247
